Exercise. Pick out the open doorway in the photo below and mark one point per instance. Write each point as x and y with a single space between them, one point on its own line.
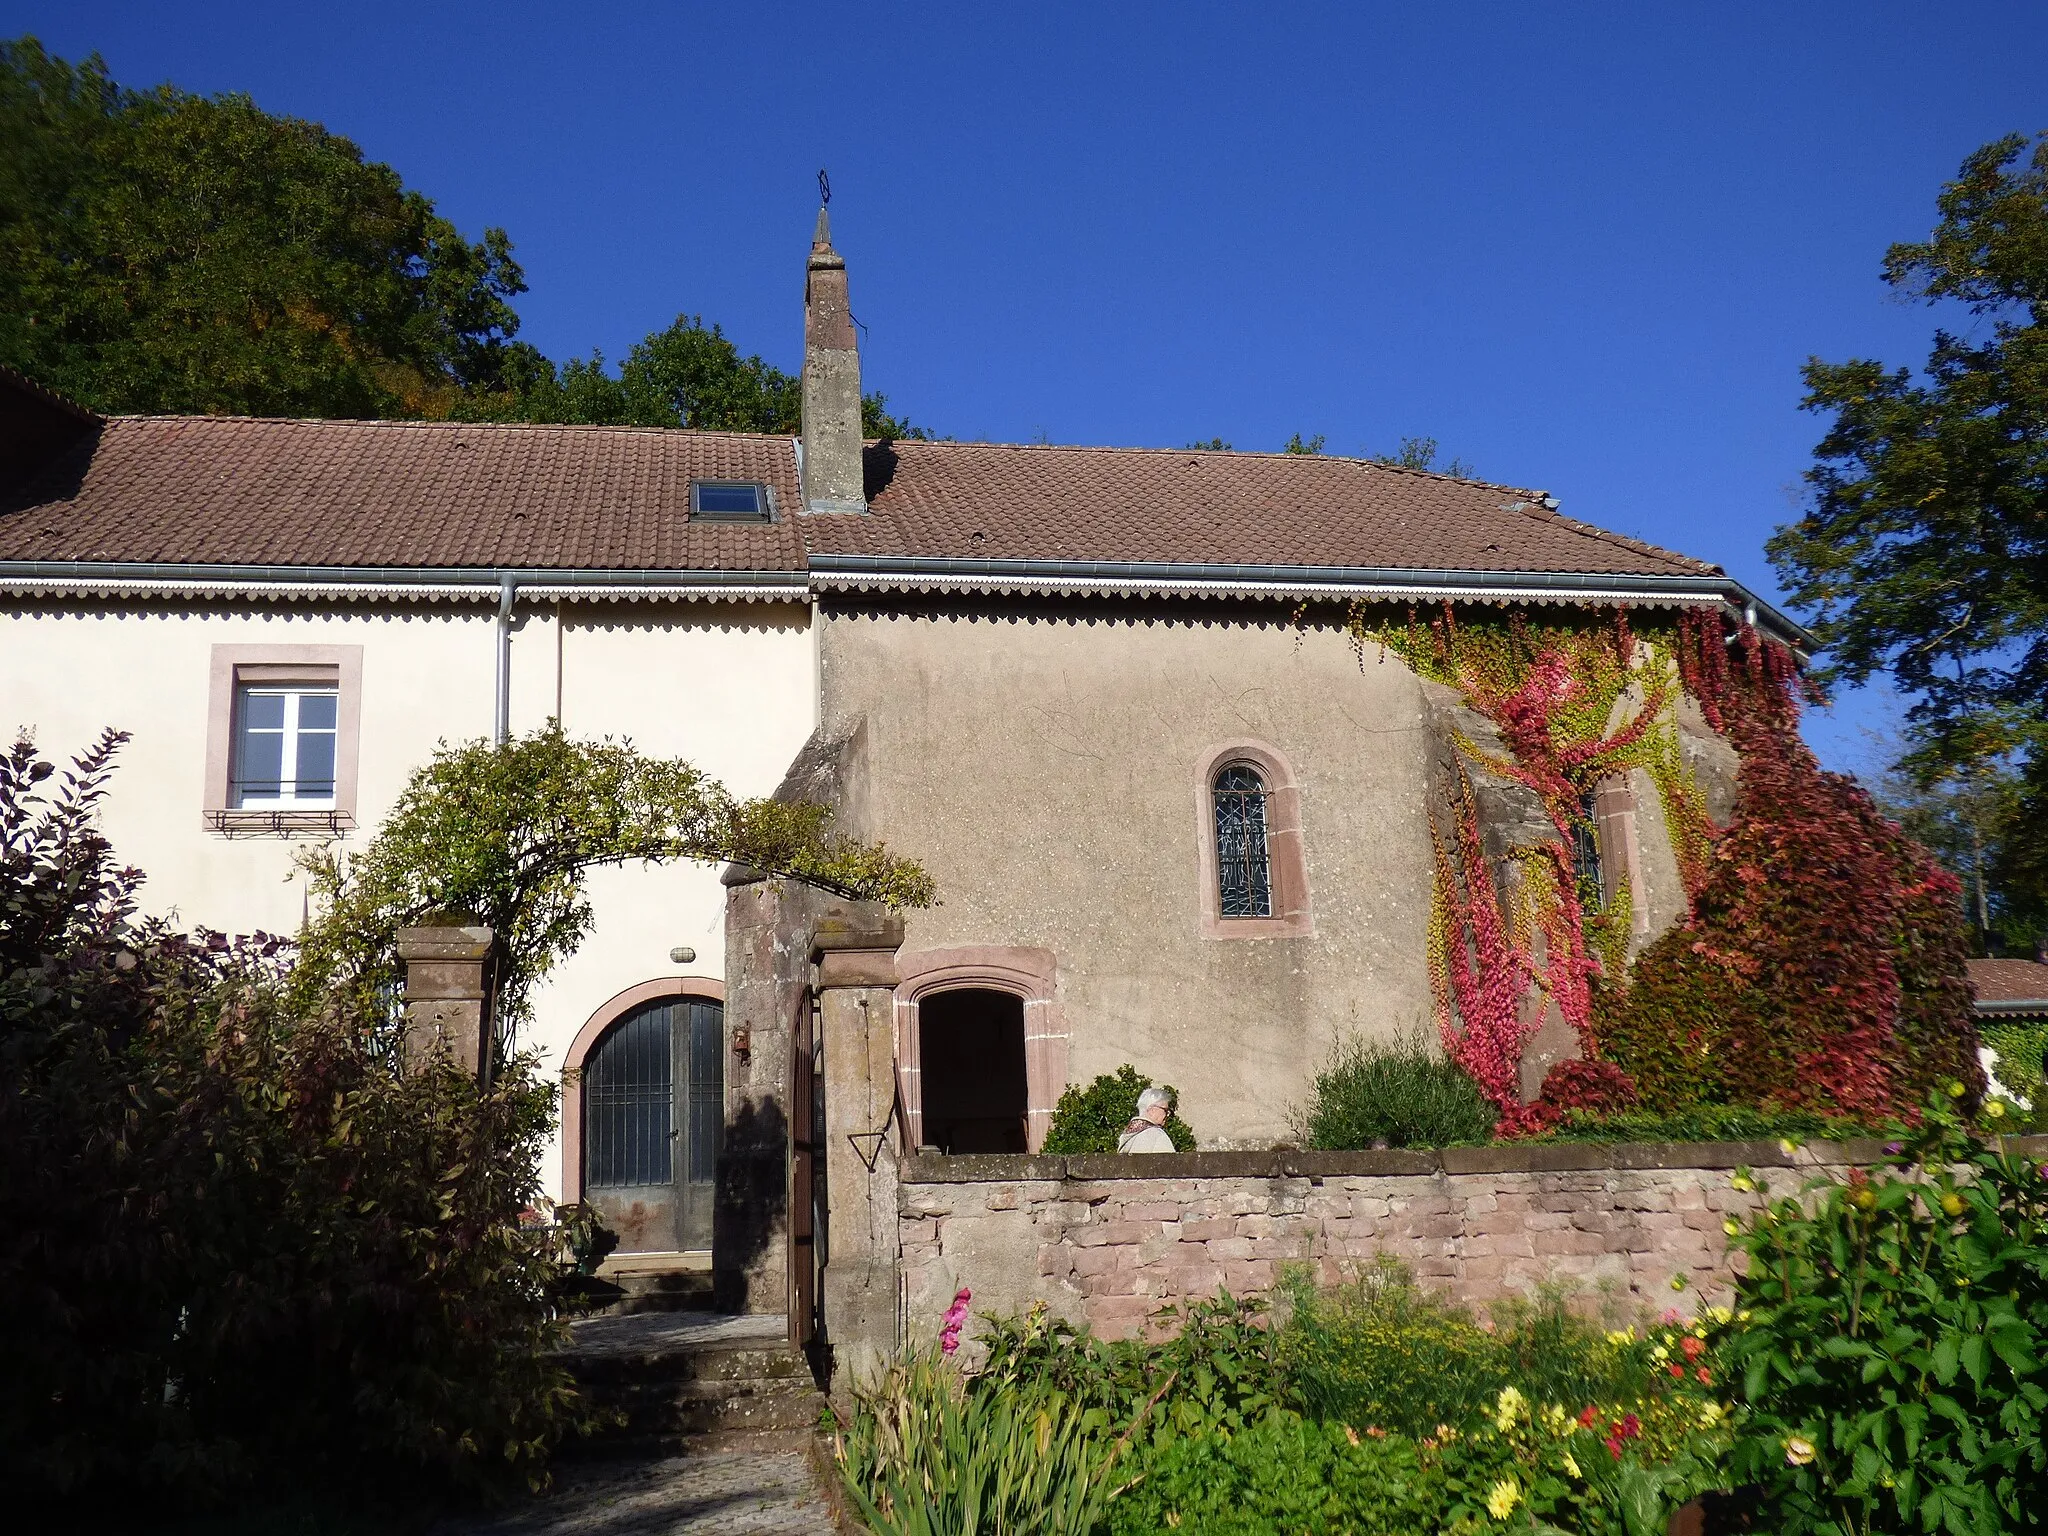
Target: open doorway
971 1064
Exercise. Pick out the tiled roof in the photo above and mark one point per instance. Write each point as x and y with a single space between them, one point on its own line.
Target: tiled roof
1004 502
222 490
241 491
2009 984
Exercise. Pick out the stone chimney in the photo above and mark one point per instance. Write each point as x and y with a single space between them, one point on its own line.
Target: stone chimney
832 479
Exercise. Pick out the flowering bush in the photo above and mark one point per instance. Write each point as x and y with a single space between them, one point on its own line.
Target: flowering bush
1892 1344
1228 1428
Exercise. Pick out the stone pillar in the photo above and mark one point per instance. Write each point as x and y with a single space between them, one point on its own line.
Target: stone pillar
1621 857
855 951
448 976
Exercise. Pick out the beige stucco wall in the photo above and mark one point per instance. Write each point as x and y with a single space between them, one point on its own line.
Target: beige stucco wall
1048 769
728 685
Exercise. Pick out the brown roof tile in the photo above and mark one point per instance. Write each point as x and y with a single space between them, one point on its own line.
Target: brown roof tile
1007 502
222 490
230 490
2009 981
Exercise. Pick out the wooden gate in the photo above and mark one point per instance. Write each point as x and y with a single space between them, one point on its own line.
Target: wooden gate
807 1236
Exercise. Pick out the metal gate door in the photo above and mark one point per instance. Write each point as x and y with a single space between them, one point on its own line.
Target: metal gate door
653 1116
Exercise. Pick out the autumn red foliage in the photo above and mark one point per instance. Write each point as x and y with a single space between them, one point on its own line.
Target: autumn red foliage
1822 964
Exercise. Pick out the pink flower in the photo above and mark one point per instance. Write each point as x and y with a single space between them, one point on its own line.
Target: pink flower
956 1318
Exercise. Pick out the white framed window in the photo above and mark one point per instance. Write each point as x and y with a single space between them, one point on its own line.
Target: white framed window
285 747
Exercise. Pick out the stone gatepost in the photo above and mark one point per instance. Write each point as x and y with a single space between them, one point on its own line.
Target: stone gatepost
448 980
854 948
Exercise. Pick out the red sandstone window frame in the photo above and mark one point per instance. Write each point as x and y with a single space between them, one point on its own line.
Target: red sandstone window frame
615 1008
1026 973
235 667
1286 855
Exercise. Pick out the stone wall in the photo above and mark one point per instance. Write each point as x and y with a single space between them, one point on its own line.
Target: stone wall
1109 1240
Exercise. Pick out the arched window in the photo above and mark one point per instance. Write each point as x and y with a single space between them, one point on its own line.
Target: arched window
1244 865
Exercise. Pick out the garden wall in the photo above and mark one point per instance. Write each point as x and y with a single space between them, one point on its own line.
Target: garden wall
1108 1240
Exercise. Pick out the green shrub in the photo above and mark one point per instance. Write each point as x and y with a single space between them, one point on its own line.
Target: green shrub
1088 1121
1892 1346
1398 1093
1380 1352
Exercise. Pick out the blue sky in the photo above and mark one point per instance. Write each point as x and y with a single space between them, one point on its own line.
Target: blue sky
1586 247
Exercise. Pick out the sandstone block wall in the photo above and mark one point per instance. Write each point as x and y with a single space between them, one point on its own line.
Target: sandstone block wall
1109 1240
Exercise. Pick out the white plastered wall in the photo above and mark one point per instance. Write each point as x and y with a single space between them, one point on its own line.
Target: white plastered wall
727 685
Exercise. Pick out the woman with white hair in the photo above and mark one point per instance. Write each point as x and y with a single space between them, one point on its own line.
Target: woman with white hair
1147 1132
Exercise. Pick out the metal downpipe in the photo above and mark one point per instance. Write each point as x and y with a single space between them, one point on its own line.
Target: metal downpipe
508 588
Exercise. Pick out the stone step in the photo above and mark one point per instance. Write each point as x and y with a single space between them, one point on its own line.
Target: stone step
736 1363
657 1290
691 1408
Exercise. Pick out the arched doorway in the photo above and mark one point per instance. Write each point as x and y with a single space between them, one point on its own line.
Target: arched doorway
975 1091
653 1112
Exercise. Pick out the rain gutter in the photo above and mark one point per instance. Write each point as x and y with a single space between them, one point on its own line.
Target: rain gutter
859 572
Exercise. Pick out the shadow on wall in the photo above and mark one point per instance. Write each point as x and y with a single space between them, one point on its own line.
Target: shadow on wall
752 1200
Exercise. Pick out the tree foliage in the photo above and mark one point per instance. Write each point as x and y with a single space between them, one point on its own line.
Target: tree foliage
505 835
166 252
689 375
1924 552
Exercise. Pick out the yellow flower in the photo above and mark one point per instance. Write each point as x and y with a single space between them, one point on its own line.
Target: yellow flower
1951 1204
1955 1090
1995 1109
1572 1467
1787 1145
1445 1433
1510 1409
1660 1354
1556 1421
1731 1226
1502 1499
1742 1183
1622 1336
1710 1415
1798 1451
1720 1314
1678 1282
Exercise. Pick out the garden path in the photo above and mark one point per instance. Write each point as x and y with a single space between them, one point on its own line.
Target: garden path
708 1493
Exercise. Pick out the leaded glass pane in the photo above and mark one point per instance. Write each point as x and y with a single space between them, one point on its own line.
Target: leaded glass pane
1244 871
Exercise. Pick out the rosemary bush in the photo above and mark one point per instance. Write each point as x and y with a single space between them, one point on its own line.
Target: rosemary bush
1398 1092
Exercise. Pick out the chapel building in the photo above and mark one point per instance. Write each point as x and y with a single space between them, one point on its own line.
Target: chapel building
1109 698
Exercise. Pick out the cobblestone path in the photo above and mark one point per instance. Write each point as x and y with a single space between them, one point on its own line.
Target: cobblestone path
710 1493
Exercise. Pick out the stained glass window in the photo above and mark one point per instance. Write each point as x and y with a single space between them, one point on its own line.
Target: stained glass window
1244 870
1586 856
